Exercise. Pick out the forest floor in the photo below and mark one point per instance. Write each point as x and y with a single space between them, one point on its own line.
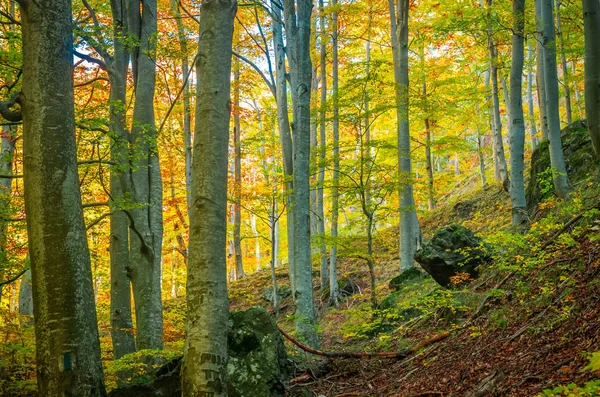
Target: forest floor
527 324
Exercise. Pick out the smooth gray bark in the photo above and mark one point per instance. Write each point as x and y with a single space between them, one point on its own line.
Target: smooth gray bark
187 114
322 149
540 69
297 22
335 195
121 321
532 127
145 237
7 149
498 141
26 299
67 343
285 134
517 130
204 371
563 62
409 235
237 182
559 172
591 20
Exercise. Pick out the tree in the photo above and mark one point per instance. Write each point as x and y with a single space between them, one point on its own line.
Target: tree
297 23
67 344
497 123
237 185
517 122
204 370
335 195
559 171
591 20
408 219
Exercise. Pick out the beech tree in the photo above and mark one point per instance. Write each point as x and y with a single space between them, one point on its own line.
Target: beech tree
204 370
591 20
67 344
517 122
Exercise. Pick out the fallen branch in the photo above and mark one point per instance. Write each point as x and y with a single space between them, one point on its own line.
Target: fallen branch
397 355
567 226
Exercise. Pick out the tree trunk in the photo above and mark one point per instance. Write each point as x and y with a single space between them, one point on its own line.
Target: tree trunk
7 149
591 19
563 62
506 94
187 114
67 343
335 195
285 134
480 152
540 68
121 321
256 241
322 151
561 181
498 142
408 218
145 237
297 20
26 299
204 370
532 128
237 184
517 131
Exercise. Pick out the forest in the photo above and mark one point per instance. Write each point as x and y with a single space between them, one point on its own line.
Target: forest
294 198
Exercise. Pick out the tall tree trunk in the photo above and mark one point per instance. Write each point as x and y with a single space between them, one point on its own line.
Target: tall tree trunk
532 128
517 131
591 19
121 321
285 134
67 343
145 237
506 94
580 113
7 149
561 181
498 142
491 120
297 20
26 299
204 370
480 151
187 114
322 150
563 62
408 218
540 68
237 184
335 195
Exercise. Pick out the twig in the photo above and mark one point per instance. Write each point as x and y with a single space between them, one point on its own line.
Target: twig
566 226
15 278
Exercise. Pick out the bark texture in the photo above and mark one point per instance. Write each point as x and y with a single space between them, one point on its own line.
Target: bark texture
517 130
67 345
204 371
591 20
559 172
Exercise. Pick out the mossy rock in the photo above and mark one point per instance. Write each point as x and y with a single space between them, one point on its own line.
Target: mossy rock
257 366
579 159
405 278
453 249
282 292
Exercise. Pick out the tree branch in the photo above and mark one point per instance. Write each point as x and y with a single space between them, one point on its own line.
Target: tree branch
91 59
11 115
253 66
15 278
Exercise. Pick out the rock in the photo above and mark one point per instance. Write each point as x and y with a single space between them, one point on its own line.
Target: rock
453 249
579 159
258 364
282 292
404 278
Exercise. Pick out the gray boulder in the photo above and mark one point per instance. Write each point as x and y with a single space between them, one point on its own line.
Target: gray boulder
258 364
453 249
